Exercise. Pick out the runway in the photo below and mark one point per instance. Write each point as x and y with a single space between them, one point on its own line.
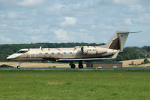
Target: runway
76 69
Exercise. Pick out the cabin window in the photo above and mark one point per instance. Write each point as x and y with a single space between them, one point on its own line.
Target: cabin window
46 53
52 53
64 53
70 53
58 53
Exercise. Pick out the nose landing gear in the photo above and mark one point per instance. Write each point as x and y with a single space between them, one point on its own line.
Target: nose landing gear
18 67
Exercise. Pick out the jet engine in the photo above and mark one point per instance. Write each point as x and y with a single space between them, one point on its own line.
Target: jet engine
91 50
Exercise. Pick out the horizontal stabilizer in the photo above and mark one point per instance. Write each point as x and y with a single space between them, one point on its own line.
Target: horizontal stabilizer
129 32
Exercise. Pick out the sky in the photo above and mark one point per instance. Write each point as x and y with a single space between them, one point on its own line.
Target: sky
57 21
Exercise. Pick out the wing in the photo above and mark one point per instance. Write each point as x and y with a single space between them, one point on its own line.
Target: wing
83 59
90 59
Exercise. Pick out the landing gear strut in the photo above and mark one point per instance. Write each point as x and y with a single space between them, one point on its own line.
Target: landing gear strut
18 67
72 65
80 64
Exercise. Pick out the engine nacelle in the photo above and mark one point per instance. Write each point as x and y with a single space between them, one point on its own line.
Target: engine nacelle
91 50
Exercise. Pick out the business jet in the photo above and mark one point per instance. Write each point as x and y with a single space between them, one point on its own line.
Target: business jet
78 53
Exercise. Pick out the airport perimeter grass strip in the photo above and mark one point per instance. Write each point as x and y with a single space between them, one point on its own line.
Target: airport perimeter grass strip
74 84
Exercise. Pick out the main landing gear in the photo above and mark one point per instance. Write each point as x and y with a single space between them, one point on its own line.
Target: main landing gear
18 67
72 65
80 64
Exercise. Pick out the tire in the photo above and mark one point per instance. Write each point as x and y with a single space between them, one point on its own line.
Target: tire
80 66
18 67
73 66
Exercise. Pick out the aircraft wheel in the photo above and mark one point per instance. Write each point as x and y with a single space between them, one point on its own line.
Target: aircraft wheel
73 66
18 67
80 66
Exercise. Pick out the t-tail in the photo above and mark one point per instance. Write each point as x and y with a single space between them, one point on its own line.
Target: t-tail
119 39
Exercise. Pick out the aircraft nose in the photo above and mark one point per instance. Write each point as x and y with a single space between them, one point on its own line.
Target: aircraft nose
13 56
9 57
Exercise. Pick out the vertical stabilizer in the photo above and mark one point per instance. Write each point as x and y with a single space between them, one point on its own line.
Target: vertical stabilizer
119 40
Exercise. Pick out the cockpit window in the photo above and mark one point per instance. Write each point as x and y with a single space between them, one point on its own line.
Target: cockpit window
22 51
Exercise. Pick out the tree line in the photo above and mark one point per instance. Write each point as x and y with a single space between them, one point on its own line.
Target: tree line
129 52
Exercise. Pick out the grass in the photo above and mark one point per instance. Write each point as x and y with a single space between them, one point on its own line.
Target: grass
74 85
